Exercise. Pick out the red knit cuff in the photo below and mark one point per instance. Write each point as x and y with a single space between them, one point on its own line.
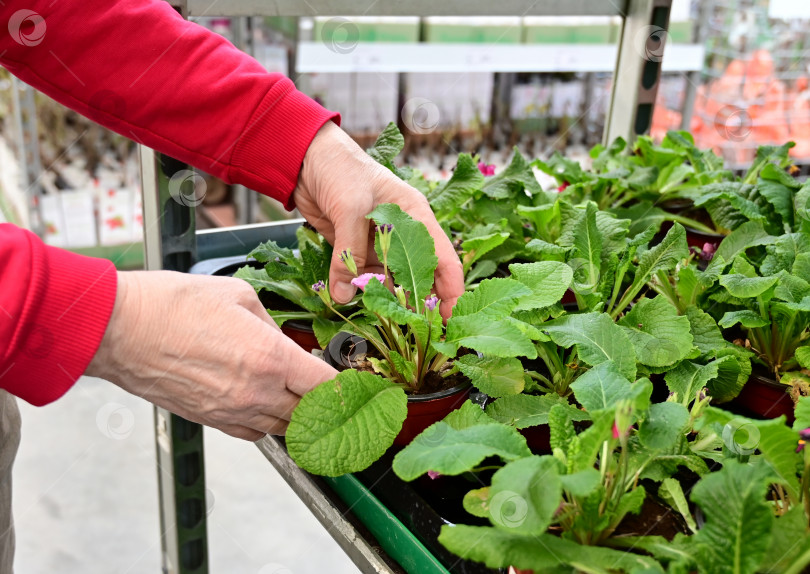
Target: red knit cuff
66 317
269 154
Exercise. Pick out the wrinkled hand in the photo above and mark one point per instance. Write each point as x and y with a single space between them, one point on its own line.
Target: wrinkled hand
205 348
339 185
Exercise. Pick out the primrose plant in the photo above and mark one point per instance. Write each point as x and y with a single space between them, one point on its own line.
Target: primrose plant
364 410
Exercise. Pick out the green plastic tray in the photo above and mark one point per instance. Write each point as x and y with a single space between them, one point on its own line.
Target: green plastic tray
393 536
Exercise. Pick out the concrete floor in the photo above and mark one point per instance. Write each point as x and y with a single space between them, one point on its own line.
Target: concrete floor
85 497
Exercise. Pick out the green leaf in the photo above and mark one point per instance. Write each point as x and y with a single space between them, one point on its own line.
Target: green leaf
790 544
746 318
582 483
663 257
706 335
345 424
777 443
476 502
687 378
738 524
602 387
467 415
523 411
495 376
485 335
544 553
271 251
587 252
765 155
443 449
548 281
412 256
659 335
747 235
802 414
664 425
672 493
745 287
780 197
388 145
517 178
325 330
465 181
525 494
476 247
598 339
378 299
494 297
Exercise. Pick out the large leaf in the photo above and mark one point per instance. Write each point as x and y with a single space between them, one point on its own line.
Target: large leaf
493 297
517 178
659 335
495 376
388 145
443 449
777 443
747 235
664 425
412 256
465 181
603 387
746 318
802 414
345 424
746 287
544 553
548 281
525 494
738 524
706 335
587 253
522 411
598 339
790 544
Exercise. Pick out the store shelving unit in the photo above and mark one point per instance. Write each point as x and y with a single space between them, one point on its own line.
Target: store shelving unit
171 242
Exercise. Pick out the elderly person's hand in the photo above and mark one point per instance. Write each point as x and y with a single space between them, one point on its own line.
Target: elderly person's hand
205 349
339 185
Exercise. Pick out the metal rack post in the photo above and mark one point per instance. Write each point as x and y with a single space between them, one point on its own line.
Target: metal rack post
169 228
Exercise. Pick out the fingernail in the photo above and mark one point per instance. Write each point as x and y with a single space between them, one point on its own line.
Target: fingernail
343 292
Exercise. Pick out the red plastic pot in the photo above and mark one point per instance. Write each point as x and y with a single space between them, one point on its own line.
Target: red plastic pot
423 410
766 398
302 334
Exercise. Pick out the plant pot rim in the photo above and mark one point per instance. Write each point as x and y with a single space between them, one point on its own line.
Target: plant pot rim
704 233
767 381
329 357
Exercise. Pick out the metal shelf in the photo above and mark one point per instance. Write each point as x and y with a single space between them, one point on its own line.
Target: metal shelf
406 8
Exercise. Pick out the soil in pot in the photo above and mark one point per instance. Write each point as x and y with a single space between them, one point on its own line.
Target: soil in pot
437 398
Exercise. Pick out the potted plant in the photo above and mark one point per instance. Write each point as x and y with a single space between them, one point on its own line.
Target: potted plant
284 285
410 348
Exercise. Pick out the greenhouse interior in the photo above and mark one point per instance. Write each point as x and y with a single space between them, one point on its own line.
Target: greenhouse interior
473 288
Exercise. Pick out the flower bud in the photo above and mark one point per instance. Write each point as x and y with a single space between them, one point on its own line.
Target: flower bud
348 261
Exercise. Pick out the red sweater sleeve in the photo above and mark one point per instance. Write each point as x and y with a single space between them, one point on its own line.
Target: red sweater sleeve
136 67
54 309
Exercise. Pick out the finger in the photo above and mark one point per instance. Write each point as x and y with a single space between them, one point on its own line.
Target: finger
239 431
270 425
351 234
311 373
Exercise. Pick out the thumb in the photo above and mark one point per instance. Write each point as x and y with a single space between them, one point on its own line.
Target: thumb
351 248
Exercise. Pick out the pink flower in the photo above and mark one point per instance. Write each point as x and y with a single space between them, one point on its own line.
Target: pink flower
618 433
362 280
708 251
433 474
562 187
486 169
430 302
